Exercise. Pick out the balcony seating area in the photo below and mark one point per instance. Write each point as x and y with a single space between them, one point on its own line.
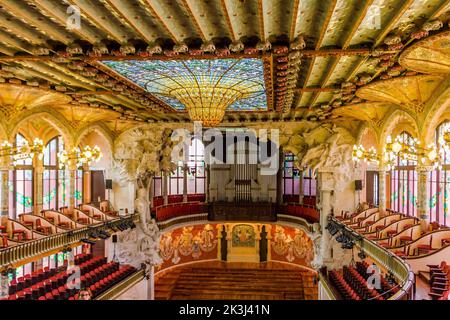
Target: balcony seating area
293 198
309 213
177 198
180 209
439 281
351 283
52 283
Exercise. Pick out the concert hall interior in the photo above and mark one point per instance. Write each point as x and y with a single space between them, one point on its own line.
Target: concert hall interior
224 150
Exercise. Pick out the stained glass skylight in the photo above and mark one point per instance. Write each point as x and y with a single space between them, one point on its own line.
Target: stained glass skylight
172 80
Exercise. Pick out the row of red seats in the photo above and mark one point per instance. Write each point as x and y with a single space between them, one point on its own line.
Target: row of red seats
178 198
110 280
82 257
29 280
90 265
387 289
293 198
178 210
310 214
344 289
359 284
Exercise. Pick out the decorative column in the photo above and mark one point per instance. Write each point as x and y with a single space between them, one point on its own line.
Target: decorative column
382 190
4 192
300 187
165 185
86 184
423 173
149 282
72 184
207 183
38 184
151 193
326 184
185 176
280 178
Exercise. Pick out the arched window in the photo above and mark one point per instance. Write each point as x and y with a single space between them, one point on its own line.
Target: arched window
196 168
438 188
55 181
403 186
291 178
291 175
21 186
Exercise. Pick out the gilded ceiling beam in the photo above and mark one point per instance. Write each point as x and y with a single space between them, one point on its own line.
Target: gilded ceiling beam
294 20
347 41
95 93
161 21
103 19
22 30
385 31
7 50
262 34
58 12
134 19
331 7
228 20
321 89
23 11
14 42
194 20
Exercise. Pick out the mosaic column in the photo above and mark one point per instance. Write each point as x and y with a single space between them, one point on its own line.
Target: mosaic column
165 185
382 190
38 185
326 183
423 173
185 177
4 193
72 185
300 187
207 183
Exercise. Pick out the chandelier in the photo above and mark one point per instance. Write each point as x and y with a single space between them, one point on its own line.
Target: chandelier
23 151
78 156
405 150
360 154
207 102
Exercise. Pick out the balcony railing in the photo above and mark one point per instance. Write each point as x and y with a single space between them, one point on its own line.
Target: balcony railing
389 261
122 287
13 255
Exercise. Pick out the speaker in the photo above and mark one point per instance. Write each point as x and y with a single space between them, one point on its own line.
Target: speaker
108 184
114 238
358 185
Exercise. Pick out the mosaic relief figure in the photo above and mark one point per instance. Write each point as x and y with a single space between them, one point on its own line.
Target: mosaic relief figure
243 236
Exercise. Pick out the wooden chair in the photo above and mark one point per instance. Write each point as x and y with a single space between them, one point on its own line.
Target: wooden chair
406 239
425 247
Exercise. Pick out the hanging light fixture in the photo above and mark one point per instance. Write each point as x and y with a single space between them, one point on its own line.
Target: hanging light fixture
78 156
360 154
23 151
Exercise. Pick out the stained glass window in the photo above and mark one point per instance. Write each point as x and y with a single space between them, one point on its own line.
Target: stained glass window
22 185
196 168
55 181
404 183
78 187
438 188
165 78
176 180
157 186
291 176
309 183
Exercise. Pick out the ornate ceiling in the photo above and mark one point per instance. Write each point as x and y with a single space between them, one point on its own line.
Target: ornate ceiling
318 56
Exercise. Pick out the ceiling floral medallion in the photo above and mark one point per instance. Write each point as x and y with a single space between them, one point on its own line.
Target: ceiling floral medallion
206 88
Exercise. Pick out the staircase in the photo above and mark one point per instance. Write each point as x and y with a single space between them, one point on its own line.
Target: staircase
222 283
